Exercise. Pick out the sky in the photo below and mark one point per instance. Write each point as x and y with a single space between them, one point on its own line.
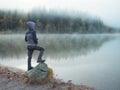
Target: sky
107 10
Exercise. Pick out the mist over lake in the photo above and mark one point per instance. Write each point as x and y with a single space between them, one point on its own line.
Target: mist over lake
90 59
81 39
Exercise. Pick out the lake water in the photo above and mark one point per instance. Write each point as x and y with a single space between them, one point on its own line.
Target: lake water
92 60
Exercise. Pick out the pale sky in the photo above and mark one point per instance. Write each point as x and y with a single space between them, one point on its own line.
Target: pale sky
106 10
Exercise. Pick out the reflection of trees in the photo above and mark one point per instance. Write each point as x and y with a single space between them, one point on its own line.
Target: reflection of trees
55 45
70 45
11 45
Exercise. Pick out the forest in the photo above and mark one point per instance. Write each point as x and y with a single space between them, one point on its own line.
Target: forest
51 21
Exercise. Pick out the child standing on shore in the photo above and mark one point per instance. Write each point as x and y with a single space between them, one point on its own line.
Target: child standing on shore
32 41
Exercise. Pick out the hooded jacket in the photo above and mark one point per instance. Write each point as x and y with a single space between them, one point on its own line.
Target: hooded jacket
30 36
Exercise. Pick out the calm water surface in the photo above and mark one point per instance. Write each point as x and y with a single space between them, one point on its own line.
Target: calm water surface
93 60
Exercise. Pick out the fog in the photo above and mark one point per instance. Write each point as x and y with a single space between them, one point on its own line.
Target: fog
107 10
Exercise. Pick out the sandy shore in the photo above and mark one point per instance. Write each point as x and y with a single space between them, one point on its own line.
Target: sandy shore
13 79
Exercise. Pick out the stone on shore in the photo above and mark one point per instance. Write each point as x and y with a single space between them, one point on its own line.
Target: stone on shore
39 74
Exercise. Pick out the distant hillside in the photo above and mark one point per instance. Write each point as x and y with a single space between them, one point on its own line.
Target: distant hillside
52 22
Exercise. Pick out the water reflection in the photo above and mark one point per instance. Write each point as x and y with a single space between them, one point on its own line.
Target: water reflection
89 59
72 46
56 46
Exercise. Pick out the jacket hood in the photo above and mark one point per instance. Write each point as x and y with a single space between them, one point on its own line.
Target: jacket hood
31 25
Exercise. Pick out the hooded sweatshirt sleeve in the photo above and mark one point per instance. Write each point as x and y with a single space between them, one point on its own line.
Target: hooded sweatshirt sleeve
35 37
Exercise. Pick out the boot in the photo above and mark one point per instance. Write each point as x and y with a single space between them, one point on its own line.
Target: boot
40 61
29 68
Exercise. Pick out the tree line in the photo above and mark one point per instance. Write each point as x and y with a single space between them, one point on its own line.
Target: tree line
51 22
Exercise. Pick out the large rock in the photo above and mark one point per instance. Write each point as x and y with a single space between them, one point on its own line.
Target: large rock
38 72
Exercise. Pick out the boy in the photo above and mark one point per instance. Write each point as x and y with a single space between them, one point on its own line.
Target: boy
32 41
